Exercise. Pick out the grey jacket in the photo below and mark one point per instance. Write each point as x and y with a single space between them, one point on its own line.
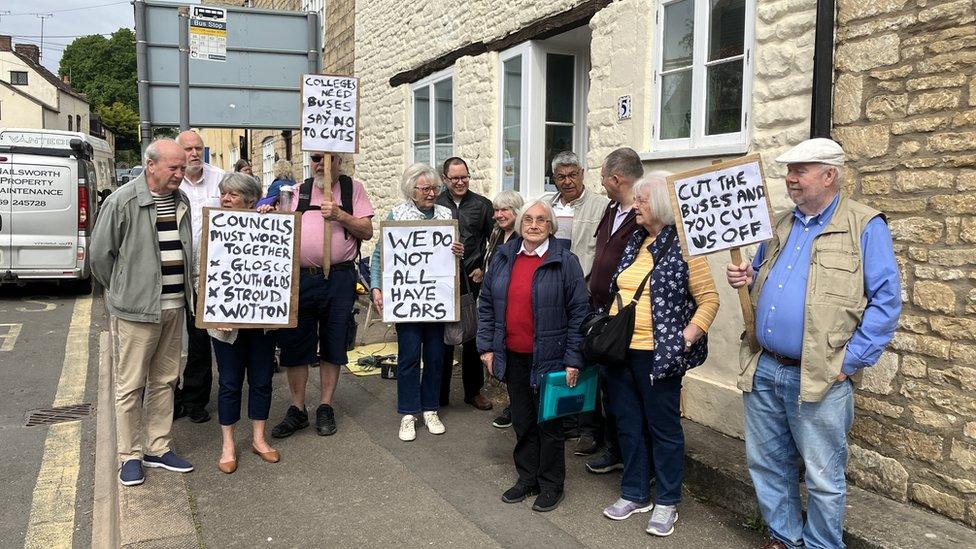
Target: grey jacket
124 252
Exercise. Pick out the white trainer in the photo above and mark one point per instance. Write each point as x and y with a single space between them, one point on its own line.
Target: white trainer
408 431
434 424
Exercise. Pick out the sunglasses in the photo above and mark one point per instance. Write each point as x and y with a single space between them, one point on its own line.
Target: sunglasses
316 157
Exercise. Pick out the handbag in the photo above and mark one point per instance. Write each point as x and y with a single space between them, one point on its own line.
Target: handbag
456 333
606 338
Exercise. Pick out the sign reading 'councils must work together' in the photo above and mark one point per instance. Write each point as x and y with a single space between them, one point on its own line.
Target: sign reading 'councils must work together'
330 112
420 273
722 206
248 269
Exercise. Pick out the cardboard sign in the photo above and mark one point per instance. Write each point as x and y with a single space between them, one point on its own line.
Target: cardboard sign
723 206
420 273
248 269
330 113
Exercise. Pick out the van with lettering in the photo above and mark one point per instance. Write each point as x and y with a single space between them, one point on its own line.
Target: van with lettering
48 189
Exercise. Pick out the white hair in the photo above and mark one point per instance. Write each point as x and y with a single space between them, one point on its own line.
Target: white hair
152 151
508 200
655 185
533 203
565 158
413 174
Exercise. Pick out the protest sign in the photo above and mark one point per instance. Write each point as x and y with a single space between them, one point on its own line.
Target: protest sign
420 273
248 269
722 206
330 113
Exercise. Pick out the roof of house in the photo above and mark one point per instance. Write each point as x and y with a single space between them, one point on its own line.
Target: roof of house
27 96
50 76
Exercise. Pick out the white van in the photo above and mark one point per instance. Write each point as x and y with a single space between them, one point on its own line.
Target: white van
48 186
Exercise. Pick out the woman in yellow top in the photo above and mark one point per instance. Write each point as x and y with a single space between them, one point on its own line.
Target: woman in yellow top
674 311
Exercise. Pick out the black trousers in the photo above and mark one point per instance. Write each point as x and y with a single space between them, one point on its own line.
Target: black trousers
194 391
472 371
600 423
539 448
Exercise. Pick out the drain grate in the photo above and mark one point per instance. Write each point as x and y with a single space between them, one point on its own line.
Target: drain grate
50 416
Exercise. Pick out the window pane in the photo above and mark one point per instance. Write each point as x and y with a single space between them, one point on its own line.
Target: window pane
442 151
679 34
444 112
558 139
421 152
724 101
421 114
559 88
512 123
727 30
676 105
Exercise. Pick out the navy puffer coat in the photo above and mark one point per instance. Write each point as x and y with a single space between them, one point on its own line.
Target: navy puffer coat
559 304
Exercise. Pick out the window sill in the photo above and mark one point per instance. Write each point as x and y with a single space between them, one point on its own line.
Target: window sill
715 150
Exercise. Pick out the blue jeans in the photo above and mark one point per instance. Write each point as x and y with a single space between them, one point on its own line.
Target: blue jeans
780 430
252 353
416 392
652 443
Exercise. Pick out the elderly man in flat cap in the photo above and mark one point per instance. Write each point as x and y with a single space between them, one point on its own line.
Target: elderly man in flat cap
827 299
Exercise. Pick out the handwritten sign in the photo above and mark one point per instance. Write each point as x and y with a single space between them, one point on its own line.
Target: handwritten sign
248 269
420 273
330 112
723 206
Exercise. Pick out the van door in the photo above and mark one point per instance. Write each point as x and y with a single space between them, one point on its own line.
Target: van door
5 167
44 218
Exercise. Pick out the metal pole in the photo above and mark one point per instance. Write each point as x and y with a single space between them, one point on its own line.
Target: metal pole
314 67
142 71
823 70
184 69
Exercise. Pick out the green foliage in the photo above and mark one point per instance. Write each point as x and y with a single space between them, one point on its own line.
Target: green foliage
123 121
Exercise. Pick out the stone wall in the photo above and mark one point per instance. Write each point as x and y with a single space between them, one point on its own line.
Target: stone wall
905 111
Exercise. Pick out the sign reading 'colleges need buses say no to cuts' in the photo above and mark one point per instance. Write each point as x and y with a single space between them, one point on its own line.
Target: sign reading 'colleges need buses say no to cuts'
330 113
721 206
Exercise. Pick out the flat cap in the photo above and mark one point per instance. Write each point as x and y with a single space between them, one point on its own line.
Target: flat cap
820 150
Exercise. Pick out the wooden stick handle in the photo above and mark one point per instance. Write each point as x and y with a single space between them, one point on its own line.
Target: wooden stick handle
746 303
327 236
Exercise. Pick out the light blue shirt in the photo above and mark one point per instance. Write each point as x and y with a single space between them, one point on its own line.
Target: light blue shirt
782 302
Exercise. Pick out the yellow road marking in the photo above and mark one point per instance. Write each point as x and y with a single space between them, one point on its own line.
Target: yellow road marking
52 517
8 339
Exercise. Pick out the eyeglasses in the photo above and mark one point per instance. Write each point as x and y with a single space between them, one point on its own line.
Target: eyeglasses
529 221
462 179
316 157
560 177
428 190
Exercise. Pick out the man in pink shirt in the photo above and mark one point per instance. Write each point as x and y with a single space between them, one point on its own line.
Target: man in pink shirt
324 304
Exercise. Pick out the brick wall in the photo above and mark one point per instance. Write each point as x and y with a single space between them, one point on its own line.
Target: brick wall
905 111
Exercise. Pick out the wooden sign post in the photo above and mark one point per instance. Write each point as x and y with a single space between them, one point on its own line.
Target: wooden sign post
420 281
723 207
330 124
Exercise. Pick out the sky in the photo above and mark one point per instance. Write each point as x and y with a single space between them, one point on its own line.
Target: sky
71 19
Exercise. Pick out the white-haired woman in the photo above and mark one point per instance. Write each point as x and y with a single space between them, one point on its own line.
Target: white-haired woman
533 301
417 392
668 339
282 176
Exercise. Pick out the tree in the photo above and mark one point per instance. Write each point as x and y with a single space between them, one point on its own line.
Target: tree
123 121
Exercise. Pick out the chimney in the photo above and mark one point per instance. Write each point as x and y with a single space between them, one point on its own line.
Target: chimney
29 51
66 79
5 43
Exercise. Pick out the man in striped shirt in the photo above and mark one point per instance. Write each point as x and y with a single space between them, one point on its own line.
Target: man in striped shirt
140 253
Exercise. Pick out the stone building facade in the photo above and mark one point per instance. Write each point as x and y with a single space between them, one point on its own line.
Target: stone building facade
905 110
400 48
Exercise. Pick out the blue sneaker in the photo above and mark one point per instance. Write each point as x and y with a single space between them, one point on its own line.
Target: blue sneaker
168 461
623 508
662 520
131 474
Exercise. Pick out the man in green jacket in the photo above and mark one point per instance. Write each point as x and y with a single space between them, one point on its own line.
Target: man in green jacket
141 253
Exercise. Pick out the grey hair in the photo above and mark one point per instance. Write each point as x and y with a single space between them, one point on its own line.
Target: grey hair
553 227
508 200
414 173
282 169
624 161
655 185
565 158
839 178
246 185
152 151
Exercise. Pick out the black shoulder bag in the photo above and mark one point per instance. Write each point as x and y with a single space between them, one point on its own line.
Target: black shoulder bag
606 338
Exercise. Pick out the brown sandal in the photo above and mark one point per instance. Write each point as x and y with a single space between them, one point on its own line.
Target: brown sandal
271 457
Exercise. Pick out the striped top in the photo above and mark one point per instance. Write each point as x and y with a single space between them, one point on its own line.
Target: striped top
170 252
700 283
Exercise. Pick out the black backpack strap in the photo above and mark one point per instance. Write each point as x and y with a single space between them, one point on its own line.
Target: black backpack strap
345 195
305 197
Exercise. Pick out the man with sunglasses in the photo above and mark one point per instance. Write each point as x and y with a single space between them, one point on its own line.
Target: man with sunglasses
474 214
324 303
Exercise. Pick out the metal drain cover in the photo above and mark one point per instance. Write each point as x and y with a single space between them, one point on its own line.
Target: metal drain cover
50 416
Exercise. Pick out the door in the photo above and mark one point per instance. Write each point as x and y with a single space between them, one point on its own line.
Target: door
5 175
44 215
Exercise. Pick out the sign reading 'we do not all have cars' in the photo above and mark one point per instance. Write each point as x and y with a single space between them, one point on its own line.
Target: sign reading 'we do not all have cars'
248 269
420 273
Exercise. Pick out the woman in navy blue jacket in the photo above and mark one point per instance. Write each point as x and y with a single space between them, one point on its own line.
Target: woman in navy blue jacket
532 303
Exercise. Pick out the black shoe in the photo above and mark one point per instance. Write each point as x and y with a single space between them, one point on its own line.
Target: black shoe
547 500
604 463
586 445
325 420
198 415
503 421
518 493
295 419
178 411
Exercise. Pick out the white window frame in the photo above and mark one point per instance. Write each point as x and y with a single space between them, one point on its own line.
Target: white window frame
699 144
429 82
532 161
267 161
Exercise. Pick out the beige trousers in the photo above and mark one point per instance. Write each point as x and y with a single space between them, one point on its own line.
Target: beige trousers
145 378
